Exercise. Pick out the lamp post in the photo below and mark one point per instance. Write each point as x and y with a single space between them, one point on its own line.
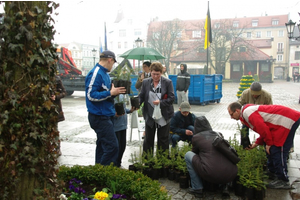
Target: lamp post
139 43
290 26
271 60
94 54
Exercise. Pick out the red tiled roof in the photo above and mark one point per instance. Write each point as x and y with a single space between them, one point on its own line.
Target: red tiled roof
261 43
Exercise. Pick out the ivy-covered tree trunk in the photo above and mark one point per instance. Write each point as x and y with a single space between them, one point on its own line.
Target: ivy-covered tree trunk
28 117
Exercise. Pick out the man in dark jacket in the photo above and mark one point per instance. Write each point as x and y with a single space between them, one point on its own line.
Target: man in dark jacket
205 162
145 74
182 124
182 84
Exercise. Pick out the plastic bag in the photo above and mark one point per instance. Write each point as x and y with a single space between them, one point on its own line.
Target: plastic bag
157 112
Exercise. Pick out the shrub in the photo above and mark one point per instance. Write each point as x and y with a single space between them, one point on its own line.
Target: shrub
134 185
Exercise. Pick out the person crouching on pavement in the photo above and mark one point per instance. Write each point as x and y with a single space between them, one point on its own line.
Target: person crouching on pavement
182 124
205 162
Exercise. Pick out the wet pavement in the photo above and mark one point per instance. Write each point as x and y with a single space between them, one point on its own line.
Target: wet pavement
78 139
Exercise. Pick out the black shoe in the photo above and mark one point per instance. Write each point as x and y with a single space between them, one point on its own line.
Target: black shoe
279 184
197 193
225 193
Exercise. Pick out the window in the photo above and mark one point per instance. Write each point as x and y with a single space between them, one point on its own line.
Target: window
122 33
279 57
119 45
297 55
280 33
280 47
242 49
269 33
275 22
137 32
217 25
249 34
125 45
236 67
235 24
264 67
258 34
254 22
196 34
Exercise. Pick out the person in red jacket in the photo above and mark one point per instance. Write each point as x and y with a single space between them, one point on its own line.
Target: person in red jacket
276 126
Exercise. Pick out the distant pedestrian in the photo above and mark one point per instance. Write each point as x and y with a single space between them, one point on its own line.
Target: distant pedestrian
157 91
120 127
100 95
165 73
276 126
183 84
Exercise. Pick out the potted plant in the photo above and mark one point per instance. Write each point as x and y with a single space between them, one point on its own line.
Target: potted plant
121 77
135 101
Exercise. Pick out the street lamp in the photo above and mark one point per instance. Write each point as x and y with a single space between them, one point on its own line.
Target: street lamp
290 29
138 42
94 54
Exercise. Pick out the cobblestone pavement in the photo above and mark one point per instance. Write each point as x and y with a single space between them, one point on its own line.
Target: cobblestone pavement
78 139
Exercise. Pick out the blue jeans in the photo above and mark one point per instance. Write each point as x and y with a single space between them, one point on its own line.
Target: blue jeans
107 148
277 160
175 138
195 179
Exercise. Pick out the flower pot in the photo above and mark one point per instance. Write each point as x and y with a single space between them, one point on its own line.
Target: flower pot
184 181
249 194
126 84
239 190
120 108
123 83
132 168
177 175
259 194
135 102
164 172
171 175
155 173
148 172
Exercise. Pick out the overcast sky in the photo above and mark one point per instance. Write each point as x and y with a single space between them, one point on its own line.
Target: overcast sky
83 21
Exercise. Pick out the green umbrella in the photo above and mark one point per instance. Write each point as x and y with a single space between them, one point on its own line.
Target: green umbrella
142 53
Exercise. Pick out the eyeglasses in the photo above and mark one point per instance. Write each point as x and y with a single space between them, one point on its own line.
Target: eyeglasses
231 114
155 74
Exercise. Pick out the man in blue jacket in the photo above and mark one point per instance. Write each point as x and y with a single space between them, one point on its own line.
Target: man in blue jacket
182 124
100 95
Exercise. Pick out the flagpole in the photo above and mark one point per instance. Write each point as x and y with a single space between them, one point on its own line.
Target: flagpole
208 35
207 44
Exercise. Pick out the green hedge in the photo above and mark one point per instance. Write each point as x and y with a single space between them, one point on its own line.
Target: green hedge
123 181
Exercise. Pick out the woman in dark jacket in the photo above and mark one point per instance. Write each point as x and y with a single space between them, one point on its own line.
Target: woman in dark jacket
157 91
205 161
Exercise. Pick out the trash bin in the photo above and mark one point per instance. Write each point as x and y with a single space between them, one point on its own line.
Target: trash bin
288 79
204 89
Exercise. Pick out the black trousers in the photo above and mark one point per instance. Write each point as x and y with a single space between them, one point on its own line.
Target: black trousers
162 138
121 136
